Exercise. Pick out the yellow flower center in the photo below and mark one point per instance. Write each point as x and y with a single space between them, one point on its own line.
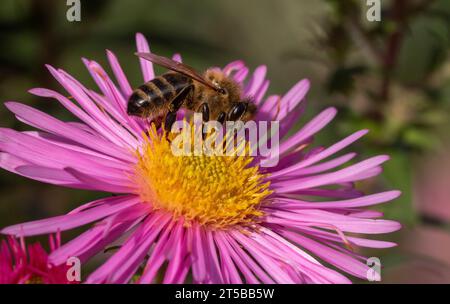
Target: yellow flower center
217 191
35 280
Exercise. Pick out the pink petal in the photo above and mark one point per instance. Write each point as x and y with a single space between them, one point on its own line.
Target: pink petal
80 93
114 103
50 124
119 74
334 257
323 154
233 67
308 130
259 95
330 178
146 66
95 125
45 154
109 185
229 270
328 220
177 57
123 264
324 236
362 201
177 267
293 97
109 206
98 237
159 254
256 81
325 166
241 75
250 263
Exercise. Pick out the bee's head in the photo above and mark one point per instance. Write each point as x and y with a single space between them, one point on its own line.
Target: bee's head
229 94
227 87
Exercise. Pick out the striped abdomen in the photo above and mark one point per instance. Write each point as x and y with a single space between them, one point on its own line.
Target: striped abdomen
151 98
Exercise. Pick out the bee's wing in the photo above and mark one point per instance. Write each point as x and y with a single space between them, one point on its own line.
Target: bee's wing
177 67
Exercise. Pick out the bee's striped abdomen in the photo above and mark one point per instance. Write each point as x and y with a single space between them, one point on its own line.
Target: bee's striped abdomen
176 81
153 95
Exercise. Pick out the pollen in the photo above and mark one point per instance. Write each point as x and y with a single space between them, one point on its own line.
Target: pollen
218 191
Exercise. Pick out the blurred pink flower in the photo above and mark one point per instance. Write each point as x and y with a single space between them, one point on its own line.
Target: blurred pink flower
431 186
425 257
272 227
28 264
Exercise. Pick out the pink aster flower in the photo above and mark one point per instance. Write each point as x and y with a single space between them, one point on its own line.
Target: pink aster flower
215 219
28 264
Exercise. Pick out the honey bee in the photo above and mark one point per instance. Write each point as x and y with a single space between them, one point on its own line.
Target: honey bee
213 94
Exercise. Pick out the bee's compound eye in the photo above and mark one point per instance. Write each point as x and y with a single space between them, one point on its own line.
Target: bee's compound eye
237 111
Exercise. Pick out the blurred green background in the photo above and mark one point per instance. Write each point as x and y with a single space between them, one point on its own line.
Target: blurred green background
392 77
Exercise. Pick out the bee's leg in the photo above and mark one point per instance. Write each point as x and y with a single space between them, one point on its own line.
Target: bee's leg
222 117
169 120
178 100
174 106
204 109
